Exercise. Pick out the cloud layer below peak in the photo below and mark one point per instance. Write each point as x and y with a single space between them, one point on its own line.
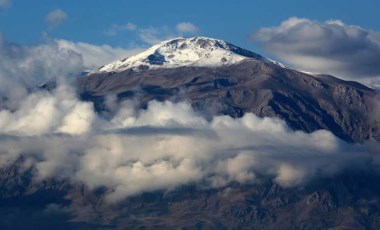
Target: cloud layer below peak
162 147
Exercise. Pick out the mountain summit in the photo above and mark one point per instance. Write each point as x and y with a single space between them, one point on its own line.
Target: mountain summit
179 52
220 78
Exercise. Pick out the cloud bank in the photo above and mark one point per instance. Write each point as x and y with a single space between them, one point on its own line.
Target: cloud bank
331 47
162 147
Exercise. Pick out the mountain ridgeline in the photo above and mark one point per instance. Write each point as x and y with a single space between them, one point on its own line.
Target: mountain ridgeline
220 78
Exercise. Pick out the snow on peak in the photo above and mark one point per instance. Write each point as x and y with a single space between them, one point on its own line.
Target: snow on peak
178 52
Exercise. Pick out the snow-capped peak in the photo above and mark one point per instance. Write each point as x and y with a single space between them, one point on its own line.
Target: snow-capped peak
178 52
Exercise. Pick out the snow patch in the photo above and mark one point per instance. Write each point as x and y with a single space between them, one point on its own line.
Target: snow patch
179 52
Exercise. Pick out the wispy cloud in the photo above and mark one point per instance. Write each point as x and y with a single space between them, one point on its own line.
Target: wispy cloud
153 35
94 56
4 3
115 29
187 28
55 18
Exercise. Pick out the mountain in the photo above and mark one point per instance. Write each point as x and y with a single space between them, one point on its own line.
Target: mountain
216 77
221 78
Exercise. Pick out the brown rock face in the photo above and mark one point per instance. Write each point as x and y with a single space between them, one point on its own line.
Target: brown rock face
304 101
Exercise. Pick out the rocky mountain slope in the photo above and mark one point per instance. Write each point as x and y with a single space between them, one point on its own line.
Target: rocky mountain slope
246 82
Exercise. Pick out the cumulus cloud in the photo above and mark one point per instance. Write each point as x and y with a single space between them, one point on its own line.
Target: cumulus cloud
331 47
115 29
42 112
55 18
187 28
24 67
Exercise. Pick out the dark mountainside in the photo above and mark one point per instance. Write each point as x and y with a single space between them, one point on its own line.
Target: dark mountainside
349 200
345 201
305 102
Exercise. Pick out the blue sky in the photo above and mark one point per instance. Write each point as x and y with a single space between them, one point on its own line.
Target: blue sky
23 21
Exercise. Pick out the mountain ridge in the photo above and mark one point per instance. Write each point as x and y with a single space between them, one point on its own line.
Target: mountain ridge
180 52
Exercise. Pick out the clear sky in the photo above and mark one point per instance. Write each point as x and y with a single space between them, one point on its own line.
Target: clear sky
23 21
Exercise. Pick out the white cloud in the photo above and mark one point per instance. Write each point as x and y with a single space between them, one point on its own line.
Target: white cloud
331 47
115 29
56 17
94 56
152 35
187 28
25 67
43 112
163 147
